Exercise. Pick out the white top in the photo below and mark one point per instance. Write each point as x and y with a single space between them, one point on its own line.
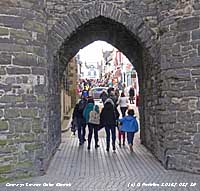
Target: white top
123 102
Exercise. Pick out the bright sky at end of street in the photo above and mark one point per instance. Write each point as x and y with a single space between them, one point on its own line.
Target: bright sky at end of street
93 52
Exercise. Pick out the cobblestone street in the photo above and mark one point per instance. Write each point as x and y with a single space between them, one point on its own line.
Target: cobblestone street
78 169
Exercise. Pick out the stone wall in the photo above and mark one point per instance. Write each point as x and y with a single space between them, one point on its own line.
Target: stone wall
180 99
38 38
132 28
23 88
167 60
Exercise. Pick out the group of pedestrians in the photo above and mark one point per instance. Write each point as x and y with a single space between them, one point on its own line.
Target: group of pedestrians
86 113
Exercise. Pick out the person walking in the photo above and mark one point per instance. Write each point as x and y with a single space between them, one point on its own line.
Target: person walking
74 122
79 108
129 125
92 124
103 96
124 89
85 92
123 103
108 117
111 95
131 95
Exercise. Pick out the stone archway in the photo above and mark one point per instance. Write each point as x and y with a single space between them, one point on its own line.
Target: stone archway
126 30
32 59
129 34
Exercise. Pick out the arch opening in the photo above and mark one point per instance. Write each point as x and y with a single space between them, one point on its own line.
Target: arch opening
119 36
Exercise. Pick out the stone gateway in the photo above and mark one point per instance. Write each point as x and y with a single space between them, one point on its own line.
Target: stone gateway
37 40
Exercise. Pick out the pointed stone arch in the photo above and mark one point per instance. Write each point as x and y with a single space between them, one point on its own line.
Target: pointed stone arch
70 23
63 45
169 65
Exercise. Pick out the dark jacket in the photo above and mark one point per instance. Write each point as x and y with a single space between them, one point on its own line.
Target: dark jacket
103 96
75 112
132 92
78 111
108 115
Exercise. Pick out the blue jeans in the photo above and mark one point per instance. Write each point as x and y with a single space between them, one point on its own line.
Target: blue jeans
81 129
123 110
91 128
113 132
130 136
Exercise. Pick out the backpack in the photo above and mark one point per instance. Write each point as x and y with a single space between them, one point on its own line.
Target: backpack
94 117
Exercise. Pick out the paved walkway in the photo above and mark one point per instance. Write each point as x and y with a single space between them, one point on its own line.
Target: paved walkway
78 169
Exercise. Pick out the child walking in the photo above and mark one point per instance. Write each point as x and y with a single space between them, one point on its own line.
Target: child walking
129 125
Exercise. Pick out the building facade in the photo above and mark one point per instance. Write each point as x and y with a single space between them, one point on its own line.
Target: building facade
90 71
69 94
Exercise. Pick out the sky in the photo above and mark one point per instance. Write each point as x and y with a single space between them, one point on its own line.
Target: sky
92 53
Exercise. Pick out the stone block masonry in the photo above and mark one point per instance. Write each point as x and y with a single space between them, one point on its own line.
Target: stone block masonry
23 69
37 40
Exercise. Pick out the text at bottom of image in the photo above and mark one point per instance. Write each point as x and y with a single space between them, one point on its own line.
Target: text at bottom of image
167 184
35 185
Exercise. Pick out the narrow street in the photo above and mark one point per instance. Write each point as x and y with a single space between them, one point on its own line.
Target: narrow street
75 168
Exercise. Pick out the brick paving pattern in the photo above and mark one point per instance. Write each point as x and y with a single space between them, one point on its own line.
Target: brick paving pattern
98 170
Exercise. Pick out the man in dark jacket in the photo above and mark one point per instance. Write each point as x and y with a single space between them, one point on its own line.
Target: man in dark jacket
131 95
103 96
108 117
74 123
78 113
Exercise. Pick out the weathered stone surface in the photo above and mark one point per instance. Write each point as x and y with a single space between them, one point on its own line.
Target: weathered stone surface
24 59
198 84
195 72
31 113
1 113
39 70
37 126
26 138
21 125
196 35
10 99
12 113
3 142
33 25
188 24
4 31
197 139
5 58
5 168
183 37
20 34
29 98
3 125
193 61
160 38
5 87
32 147
12 21
18 70
2 70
